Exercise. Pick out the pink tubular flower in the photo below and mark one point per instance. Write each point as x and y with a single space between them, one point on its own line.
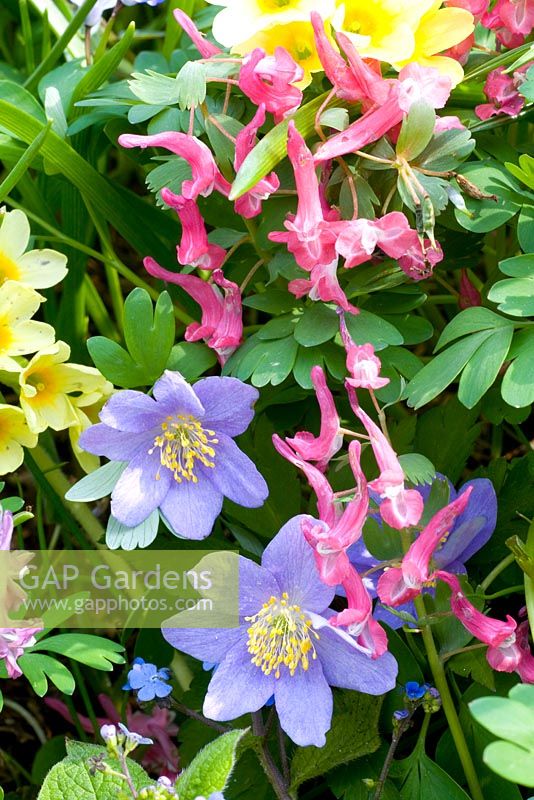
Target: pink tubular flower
354 81
194 248
469 294
525 668
417 263
331 541
326 506
269 80
512 20
222 325
476 7
205 173
506 651
362 363
204 47
501 91
323 447
399 585
448 123
310 237
249 205
322 285
414 83
13 642
359 238
400 507
357 617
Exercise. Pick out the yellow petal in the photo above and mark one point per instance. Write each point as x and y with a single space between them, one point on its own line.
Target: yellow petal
242 20
14 235
442 29
42 268
11 456
13 426
29 336
18 301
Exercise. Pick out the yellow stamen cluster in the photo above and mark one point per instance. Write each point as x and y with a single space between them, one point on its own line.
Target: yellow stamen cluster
182 443
281 635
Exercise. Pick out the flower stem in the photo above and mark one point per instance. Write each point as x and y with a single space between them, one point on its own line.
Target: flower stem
395 739
188 712
440 680
496 571
266 760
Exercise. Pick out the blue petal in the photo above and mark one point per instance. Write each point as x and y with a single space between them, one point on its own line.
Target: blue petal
235 475
175 396
139 490
304 705
348 668
190 509
131 411
227 403
290 559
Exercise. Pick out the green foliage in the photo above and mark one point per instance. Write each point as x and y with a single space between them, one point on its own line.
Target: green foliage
73 778
354 733
512 720
149 337
211 768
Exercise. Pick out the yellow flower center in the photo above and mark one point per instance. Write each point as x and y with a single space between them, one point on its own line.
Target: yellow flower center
270 6
8 269
183 444
281 635
46 385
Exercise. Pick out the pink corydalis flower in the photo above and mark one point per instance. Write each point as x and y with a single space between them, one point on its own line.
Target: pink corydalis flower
414 83
13 643
205 173
359 238
362 363
507 652
194 248
270 80
326 506
512 20
400 507
469 296
206 48
501 91
310 237
398 585
249 205
354 81
323 284
418 263
358 618
330 541
221 326
475 7
323 447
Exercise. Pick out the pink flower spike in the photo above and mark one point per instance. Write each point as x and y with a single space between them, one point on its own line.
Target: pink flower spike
330 542
204 47
359 238
469 294
322 448
359 604
397 586
476 7
372 87
501 91
515 16
323 285
221 326
419 264
13 642
205 173
362 363
194 248
423 83
249 205
525 668
328 510
270 80
336 68
504 654
310 238
400 507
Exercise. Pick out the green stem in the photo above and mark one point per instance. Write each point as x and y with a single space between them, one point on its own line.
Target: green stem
59 483
496 571
104 39
440 680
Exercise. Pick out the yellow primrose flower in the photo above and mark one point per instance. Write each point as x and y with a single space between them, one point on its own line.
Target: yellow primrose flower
38 268
46 383
240 20
14 435
296 37
381 29
87 416
439 29
19 334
